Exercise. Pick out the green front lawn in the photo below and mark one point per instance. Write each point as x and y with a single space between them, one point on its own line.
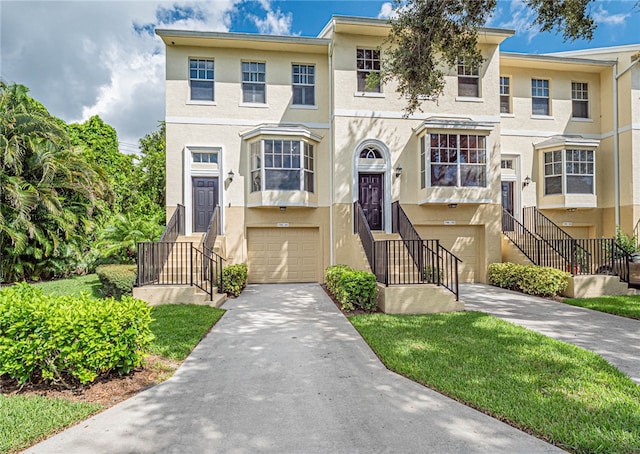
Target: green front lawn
561 393
24 420
625 306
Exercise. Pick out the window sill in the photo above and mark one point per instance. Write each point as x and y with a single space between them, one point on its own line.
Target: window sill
542 117
201 103
582 120
254 105
277 198
507 115
304 107
468 99
368 94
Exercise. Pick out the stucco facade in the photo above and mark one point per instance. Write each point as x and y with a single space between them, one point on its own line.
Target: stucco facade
290 213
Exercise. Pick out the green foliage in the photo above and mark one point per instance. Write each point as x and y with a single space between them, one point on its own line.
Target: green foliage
530 279
425 33
117 280
622 305
179 327
353 289
118 238
234 279
628 243
432 274
152 167
50 194
73 286
561 393
62 339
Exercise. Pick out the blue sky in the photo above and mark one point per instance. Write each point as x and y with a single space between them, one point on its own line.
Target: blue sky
82 58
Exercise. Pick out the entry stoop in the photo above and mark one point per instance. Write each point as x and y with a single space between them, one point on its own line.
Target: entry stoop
417 299
155 295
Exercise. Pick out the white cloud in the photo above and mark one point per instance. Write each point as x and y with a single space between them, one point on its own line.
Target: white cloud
99 58
602 16
387 11
275 22
521 19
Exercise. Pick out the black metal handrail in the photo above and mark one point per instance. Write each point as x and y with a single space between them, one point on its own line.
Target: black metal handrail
213 229
438 265
528 243
169 263
175 226
361 227
539 224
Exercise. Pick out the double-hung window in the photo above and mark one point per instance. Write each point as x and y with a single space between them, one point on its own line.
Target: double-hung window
468 80
201 79
579 100
540 97
282 165
303 81
458 160
505 94
569 171
254 82
367 61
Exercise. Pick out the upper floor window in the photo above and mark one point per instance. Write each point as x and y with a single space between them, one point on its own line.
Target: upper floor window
254 86
569 172
540 97
207 158
367 61
457 160
505 94
201 78
282 165
468 80
303 80
580 100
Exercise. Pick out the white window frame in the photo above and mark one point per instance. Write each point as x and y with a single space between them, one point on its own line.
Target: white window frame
202 71
564 164
258 168
505 91
469 73
540 91
210 171
304 81
458 165
252 77
580 94
365 61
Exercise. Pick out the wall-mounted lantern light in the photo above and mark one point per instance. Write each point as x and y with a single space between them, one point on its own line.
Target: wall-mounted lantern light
527 181
398 171
230 175
453 205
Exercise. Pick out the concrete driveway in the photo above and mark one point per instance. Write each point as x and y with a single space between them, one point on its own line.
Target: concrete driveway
616 339
285 372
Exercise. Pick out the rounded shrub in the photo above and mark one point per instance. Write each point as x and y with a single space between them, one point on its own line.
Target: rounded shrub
530 279
353 289
234 278
117 280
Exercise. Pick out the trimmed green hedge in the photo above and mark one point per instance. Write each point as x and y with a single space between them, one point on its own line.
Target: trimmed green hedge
61 339
117 280
234 279
530 279
353 289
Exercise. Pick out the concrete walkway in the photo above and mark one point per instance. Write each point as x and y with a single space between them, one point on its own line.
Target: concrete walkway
285 372
616 339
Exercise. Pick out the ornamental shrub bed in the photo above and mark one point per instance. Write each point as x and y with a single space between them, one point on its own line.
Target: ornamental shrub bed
353 289
117 280
234 279
530 279
62 339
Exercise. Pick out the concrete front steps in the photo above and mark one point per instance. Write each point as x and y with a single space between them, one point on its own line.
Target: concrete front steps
177 294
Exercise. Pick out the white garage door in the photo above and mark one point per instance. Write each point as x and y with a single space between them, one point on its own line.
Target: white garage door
283 255
465 241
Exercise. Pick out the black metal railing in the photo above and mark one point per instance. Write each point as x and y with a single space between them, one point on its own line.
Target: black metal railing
558 239
579 256
213 230
168 263
175 226
361 227
437 264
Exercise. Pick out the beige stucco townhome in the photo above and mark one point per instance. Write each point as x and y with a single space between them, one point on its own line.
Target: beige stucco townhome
284 136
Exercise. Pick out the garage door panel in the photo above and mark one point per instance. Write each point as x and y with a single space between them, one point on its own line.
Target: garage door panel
464 241
283 254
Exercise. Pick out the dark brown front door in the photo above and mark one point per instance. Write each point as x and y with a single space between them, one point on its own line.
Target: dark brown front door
370 195
205 199
507 204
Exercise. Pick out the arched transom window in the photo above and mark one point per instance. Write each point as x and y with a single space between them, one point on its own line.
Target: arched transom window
370 153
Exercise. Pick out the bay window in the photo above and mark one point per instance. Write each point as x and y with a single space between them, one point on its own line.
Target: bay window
457 160
569 171
282 165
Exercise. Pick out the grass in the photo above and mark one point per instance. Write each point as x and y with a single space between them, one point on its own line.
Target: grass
566 395
625 306
25 420
73 286
179 327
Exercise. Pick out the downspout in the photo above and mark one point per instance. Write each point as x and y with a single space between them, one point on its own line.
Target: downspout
331 149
